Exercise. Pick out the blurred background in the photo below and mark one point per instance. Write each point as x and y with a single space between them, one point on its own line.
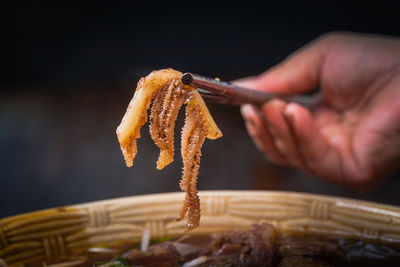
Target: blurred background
69 71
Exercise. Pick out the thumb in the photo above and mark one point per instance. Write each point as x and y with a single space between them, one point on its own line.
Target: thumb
298 73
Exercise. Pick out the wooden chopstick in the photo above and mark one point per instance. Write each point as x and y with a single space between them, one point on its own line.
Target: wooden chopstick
217 98
228 93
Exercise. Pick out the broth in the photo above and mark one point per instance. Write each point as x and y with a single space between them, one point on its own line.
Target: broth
260 246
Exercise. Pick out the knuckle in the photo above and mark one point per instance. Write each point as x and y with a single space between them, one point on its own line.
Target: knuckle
332 37
362 183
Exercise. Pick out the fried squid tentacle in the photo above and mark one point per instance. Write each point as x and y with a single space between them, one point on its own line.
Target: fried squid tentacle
194 133
136 113
162 120
169 94
155 124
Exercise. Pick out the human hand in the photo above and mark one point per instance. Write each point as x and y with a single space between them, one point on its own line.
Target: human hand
351 134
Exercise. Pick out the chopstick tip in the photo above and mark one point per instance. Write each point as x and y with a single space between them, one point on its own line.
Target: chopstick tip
187 78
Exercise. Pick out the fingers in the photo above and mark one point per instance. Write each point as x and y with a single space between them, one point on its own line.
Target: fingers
273 134
300 72
283 136
288 135
320 157
304 130
258 130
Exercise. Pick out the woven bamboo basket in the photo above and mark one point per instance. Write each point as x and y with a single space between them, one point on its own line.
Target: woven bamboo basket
48 234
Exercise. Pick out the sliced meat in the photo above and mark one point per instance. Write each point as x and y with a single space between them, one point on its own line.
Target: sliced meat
244 248
159 255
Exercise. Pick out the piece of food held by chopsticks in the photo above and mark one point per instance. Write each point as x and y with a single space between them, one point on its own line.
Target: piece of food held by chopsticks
169 94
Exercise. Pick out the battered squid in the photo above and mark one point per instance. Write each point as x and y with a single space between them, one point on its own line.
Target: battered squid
169 94
163 115
194 133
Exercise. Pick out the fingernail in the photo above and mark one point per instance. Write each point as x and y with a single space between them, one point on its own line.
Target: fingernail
289 112
245 110
275 102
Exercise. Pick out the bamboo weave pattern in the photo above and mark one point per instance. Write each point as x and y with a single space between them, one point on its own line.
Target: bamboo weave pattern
50 233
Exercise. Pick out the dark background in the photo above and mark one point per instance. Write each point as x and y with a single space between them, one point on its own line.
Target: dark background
69 71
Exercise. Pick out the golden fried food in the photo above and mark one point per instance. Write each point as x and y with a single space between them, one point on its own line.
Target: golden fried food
169 94
163 115
194 133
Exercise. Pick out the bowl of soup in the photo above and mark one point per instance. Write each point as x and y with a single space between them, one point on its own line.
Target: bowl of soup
64 235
